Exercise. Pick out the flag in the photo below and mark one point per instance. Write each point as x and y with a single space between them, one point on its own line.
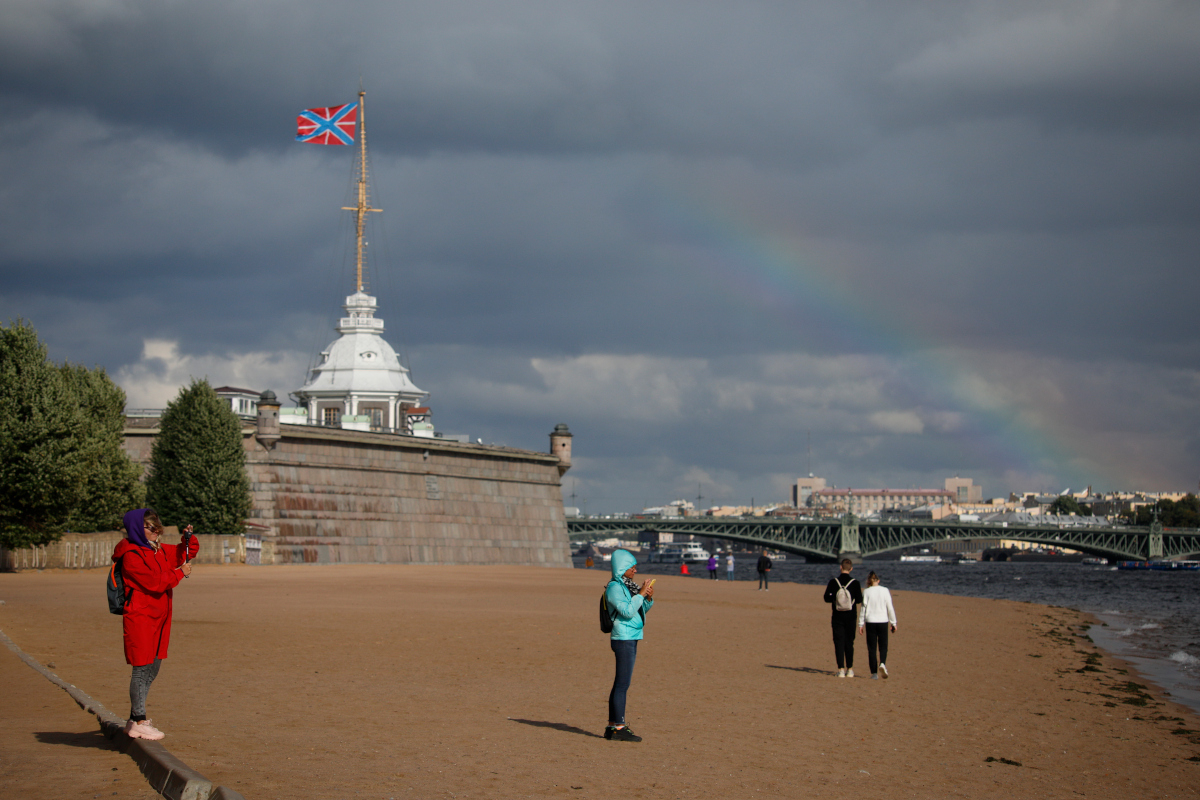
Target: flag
327 125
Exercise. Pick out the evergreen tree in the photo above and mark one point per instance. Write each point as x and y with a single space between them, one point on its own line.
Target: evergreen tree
44 458
198 466
112 484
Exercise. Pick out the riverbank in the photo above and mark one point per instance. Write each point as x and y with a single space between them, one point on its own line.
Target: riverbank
389 681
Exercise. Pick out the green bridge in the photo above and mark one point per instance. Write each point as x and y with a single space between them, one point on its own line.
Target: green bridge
829 540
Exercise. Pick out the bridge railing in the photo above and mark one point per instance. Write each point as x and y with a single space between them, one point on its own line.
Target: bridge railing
828 538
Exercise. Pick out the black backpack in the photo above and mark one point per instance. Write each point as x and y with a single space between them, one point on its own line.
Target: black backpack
606 620
116 590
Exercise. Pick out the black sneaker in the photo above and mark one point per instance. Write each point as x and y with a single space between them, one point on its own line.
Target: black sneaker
621 734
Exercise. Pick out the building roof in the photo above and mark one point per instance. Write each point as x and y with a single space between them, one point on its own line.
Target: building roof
360 361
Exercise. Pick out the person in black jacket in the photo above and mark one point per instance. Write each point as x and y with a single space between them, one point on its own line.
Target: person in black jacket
764 567
844 619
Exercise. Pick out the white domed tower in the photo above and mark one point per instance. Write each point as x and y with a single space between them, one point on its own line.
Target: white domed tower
360 383
360 375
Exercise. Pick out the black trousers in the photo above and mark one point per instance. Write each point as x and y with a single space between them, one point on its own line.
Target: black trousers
877 633
844 623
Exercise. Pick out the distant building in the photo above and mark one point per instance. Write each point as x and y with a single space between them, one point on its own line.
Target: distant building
964 490
243 402
360 382
813 493
802 492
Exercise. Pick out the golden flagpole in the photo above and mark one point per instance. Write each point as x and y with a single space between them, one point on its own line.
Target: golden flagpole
360 210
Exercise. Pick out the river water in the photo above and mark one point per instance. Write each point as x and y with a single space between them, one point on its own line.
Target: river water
1151 619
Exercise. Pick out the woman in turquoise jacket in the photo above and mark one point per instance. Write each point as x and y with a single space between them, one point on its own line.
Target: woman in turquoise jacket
628 604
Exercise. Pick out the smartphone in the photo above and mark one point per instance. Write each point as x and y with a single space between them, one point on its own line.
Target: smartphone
652 580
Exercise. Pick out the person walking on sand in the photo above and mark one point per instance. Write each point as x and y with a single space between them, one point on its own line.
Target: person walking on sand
844 593
764 567
875 616
729 566
712 567
628 604
151 570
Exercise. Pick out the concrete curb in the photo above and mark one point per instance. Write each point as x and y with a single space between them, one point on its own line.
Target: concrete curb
166 774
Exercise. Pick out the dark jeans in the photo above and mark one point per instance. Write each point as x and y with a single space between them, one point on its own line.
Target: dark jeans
712 573
844 623
626 653
762 579
877 632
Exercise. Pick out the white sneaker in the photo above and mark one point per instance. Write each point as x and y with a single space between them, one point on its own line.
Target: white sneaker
849 673
883 670
841 673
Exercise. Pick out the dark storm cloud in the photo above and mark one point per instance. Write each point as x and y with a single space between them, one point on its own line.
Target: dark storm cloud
939 237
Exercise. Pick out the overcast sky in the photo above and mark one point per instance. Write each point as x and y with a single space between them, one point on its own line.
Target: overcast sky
727 243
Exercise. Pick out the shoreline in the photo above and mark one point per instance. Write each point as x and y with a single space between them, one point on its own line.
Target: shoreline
492 681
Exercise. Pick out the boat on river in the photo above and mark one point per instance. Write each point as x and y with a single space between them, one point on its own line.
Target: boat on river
676 553
1160 566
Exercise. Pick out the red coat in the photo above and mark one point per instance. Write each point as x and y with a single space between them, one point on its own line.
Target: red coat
149 578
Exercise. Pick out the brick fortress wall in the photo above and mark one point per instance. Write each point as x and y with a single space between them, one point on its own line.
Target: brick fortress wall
326 495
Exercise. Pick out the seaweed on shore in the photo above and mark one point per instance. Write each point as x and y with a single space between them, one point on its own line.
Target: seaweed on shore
1140 697
1009 761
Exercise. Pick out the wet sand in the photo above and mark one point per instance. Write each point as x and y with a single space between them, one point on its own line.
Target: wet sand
396 681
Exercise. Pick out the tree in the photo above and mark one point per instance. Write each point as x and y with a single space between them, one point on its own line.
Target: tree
1067 505
43 457
1184 514
197 464
112 485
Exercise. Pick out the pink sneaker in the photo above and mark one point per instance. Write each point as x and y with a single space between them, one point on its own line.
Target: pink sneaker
142 730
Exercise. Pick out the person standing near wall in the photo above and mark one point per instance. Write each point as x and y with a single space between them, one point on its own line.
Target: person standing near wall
151 570
628 604
844 593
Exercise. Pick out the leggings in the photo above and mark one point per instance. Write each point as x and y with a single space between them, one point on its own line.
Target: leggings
843 638
877 632
626 652
139 687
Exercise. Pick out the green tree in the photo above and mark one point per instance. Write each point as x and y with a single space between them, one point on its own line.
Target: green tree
112 485
44 460
198 466
1066 505
1184 514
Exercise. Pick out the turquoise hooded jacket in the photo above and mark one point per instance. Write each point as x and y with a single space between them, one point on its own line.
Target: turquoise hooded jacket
628 609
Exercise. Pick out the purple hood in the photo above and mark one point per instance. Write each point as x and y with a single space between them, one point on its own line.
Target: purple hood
135 527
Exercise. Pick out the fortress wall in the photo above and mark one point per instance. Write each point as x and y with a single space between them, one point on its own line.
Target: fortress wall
328 495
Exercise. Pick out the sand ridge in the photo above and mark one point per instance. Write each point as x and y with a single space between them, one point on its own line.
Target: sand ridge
419 681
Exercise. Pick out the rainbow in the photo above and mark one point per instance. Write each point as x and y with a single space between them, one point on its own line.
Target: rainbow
802 283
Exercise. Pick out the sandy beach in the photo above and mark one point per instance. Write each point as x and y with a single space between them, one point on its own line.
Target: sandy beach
397 681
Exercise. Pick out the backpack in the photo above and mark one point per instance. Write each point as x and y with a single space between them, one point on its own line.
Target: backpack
606 620
843 600
116 590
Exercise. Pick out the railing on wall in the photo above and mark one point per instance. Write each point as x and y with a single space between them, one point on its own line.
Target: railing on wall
92 550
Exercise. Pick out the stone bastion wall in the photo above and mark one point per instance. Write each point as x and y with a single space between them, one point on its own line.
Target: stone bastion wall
327 495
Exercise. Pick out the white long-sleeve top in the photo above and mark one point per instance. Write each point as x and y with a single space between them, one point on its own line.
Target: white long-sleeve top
876 606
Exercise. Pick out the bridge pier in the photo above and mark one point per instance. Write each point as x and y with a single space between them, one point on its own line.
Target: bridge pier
849 546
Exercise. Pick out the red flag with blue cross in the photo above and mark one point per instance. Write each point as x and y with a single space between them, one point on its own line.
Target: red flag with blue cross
334 125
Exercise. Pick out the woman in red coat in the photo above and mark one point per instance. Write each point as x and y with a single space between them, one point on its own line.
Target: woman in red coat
151 570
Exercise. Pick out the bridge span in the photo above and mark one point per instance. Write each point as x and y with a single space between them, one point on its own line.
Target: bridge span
830 540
